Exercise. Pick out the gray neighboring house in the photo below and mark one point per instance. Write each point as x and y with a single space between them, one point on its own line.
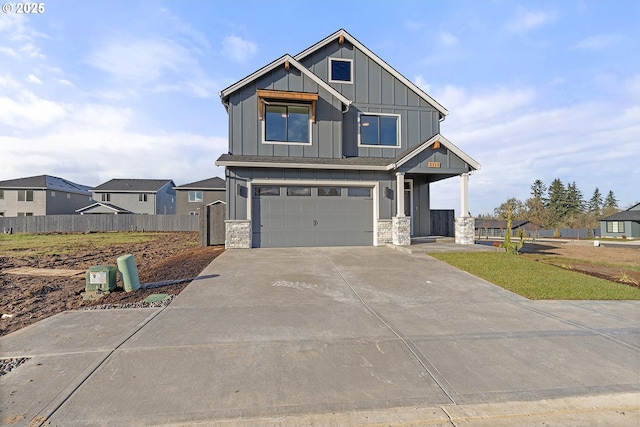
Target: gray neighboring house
140 196
192 197
498 227
625 223
41 195
334 147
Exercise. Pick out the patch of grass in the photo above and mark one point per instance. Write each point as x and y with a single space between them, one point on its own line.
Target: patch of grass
573 261
20 245
535 280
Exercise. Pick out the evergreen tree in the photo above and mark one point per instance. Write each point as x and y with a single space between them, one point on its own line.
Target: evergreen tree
558 206
595 204
575 201
536 205
610 204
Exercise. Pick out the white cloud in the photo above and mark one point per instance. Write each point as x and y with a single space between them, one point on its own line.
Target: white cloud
8 51
447 39
528 20
34 79
238 49
151 63
598 42
20 108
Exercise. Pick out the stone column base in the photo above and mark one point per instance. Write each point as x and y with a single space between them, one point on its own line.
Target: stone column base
237 234
383 232
465 233
401 230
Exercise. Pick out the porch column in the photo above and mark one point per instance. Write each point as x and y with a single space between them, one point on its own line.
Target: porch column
400 194
464 195
465 223
400 224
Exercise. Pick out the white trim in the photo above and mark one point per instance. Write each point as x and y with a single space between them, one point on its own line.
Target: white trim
410 181
448 144
350 81
279 62
319 183
264 124
233 163
398 133
376 59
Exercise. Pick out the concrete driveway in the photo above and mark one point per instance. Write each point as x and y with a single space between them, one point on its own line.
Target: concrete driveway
330 336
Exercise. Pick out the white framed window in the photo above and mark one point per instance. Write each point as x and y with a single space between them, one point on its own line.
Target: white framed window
25 195
106 197
379 130
340 70
286 117
286 124
195 196
615 226
142 197
1 194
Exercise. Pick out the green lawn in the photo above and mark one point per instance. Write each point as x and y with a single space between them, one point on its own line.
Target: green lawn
19 245
536 280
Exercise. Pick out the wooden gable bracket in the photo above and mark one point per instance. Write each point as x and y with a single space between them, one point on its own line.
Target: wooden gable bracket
341 39
436 145
286 96
286 65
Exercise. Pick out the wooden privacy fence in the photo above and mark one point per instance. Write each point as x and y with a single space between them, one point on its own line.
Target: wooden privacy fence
442 222
95 223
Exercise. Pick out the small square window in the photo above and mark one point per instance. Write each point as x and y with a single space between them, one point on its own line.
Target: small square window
266 191
329 191
298 191
195 196
359 192
340 70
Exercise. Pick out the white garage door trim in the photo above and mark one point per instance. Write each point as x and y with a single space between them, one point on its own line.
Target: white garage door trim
315 183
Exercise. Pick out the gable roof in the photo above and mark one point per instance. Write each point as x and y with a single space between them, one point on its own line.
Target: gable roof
342 33
629 215
404 157
134 185
224 93
45 182
214 183
107 206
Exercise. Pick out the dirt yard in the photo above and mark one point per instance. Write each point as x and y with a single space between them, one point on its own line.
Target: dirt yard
616 264
26 299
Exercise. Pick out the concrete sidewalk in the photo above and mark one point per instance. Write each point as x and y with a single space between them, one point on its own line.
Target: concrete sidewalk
331 336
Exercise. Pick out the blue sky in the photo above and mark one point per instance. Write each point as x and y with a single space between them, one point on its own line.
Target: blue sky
91 91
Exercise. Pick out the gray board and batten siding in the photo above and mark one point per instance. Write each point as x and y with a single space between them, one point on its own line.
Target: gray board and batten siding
374 90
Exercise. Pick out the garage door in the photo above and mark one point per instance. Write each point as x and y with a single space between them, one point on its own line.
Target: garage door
285 216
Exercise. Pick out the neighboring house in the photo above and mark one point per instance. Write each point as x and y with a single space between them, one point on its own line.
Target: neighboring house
498 228
625 223
191 198
141 196
335 147
41 195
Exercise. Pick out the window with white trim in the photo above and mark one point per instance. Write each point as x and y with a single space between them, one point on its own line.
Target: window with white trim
379 130
25 195
340 70
106 197
286 117
615 226
142 197
195 196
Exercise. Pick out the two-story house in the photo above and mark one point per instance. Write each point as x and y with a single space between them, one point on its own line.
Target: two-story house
41 195
334 147
141 196
192 197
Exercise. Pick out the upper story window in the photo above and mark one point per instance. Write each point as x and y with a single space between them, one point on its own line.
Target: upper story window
195 196
1 194
106 197
286 116
287 123
25 195
340 70
379 130
142 197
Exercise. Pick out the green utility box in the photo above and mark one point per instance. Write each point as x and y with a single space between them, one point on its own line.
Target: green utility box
101 278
